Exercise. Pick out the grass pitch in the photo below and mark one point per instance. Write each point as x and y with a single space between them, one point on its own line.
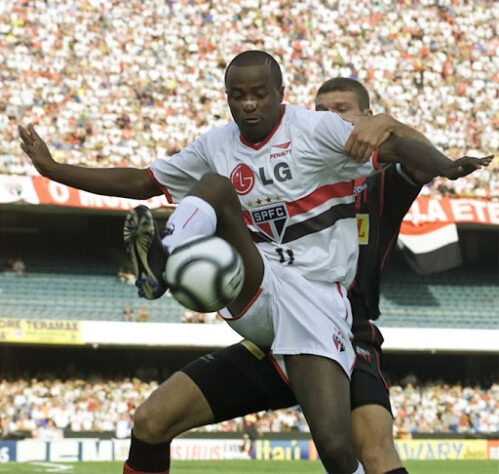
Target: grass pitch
244 467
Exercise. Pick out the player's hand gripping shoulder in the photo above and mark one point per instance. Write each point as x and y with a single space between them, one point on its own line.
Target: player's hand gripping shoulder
368 133
37 150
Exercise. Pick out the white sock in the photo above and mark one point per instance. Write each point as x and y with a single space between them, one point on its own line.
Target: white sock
359 470
193 217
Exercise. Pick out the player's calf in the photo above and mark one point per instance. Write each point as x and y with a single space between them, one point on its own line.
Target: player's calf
145 457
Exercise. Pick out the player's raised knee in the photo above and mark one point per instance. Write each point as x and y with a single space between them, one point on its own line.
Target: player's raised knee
217 189
147 427
336 453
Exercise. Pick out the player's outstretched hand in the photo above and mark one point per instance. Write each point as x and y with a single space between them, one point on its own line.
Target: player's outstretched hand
36 149
368 133
466 165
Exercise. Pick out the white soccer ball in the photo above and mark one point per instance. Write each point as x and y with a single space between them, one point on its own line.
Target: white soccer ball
205 273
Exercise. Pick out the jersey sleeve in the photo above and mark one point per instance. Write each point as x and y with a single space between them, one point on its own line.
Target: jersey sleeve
399 194
176 175
331 134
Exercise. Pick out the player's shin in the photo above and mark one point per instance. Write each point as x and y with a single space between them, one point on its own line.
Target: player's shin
193 217
146 458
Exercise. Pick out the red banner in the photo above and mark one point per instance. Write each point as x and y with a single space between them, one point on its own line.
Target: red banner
50 192
430 211
493 448
433 213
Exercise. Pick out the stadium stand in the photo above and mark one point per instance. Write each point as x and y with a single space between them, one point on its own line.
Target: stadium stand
69 296
451 299
109 92
98 404
454 299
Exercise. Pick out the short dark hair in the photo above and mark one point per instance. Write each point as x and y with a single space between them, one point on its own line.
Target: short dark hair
345 84
256 57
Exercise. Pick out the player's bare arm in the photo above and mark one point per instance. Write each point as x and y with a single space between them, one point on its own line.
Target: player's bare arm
378 128
130 183
402 130
422 156
371 130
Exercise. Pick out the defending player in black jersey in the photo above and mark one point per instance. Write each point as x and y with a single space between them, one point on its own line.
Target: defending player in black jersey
241 379
382 200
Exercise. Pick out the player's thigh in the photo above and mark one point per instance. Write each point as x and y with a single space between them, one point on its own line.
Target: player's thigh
238 380
176 406
368 386
322 390
220 193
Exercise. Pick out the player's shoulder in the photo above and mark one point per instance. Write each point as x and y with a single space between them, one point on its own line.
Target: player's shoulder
230 129
217 136
300 116
308 120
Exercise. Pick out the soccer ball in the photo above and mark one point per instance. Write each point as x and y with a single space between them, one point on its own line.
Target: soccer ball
205 273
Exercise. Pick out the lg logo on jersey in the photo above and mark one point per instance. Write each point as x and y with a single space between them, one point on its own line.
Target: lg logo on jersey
243 177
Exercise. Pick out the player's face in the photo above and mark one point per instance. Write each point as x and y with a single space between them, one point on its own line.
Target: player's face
254 100
344 103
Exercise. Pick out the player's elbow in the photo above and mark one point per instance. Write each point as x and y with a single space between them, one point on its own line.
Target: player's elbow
389 150
142 186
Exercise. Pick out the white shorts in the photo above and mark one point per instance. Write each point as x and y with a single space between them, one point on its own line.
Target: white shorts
293 315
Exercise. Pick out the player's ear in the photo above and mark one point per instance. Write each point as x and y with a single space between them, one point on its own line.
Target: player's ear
281 94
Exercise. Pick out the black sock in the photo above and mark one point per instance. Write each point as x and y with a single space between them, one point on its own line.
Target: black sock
148 457
399 470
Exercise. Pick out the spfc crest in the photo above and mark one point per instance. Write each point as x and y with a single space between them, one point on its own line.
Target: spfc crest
271 220
338 342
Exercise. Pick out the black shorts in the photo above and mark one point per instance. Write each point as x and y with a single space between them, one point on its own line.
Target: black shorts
242 379
239 380
368 385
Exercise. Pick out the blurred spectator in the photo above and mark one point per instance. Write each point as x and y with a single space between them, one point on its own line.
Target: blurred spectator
126 276
119 83
123 426
143 315
250 427
18 266
128 314
246 447
202 318
195 317
189 316
48 432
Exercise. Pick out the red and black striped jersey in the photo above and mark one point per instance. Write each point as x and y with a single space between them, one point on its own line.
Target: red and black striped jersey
381 202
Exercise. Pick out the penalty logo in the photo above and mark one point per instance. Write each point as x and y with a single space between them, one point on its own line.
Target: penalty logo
270 220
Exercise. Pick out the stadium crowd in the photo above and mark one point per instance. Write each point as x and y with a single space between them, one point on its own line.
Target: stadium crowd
48 407
115 83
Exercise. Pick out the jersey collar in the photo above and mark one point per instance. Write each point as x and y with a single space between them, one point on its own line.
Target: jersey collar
257 146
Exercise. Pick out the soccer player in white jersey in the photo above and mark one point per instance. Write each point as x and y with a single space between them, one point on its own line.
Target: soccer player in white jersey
278 176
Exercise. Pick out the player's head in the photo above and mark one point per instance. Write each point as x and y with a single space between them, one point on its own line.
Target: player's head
347 97
253 83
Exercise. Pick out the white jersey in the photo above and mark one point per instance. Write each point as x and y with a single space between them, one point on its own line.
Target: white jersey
295 188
